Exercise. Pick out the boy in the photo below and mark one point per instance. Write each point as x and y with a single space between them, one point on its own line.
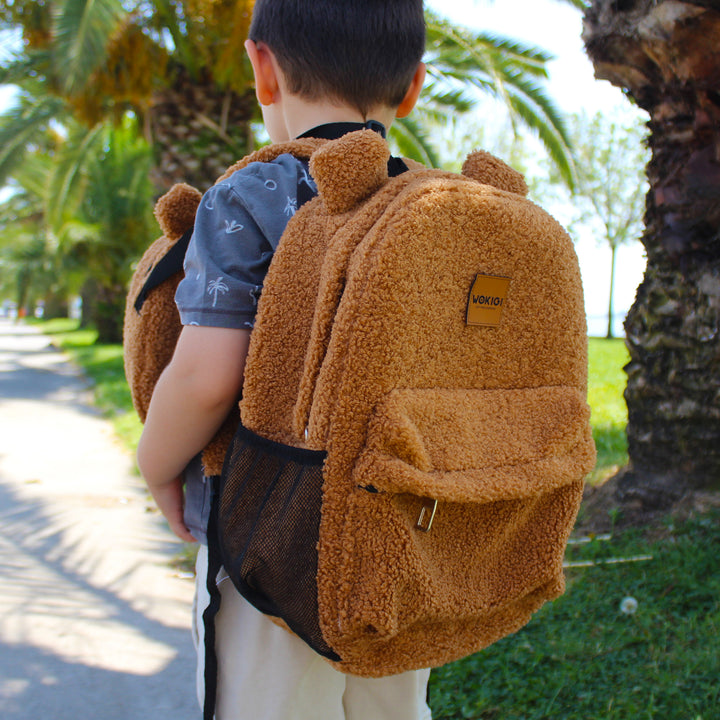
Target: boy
322 68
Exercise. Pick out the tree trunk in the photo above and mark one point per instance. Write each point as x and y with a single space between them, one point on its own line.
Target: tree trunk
87 300
197 131
107 314
611 316
56 305
103 308
666 55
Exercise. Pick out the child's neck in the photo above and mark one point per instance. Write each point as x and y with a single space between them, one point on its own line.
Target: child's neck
302 115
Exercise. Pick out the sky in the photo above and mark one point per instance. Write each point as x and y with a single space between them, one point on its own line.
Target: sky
556 26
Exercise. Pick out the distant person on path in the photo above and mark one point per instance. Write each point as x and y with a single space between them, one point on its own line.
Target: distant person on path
322 68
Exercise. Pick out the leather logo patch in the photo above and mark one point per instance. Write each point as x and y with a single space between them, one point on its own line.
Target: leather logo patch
487 300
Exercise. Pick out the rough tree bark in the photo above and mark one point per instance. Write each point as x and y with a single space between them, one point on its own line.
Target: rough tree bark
666 55
197 131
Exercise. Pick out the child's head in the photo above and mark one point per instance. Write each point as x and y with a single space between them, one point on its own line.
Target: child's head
362 54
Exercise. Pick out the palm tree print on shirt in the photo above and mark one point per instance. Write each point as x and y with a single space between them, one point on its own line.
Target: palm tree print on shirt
215 287
233 226
291 206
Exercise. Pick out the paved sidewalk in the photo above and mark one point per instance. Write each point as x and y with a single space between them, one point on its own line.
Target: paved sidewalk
93 622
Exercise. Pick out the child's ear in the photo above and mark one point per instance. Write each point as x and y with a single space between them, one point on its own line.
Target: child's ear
266 80
413 92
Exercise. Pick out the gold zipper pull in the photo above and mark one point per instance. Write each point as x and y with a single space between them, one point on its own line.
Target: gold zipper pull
427 515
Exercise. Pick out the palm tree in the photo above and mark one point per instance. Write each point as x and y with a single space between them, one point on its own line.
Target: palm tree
29 267
80 214
23 260
173 64
101 212
664 54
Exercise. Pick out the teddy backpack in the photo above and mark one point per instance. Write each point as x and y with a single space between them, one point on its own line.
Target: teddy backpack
414 429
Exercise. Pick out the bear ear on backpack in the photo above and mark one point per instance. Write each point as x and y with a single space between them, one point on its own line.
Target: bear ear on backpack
489 170
350 169
175 210
152 323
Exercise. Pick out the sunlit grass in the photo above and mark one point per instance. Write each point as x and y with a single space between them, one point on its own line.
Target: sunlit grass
606 383
583 658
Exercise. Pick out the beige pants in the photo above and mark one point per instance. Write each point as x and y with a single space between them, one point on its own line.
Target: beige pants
265 673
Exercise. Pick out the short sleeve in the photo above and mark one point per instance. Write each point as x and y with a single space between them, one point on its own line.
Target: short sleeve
237 228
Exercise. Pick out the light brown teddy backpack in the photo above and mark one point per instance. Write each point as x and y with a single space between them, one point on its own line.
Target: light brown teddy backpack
415 431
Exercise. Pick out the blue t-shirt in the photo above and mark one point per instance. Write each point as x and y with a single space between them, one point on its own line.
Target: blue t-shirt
237 229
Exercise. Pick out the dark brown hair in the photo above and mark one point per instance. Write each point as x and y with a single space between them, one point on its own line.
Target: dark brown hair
361 52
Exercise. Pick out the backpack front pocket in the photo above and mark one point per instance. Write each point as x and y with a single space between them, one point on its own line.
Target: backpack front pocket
463 504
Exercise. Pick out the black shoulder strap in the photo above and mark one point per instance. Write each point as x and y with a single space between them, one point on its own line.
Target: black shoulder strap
166 267
214 565
396 166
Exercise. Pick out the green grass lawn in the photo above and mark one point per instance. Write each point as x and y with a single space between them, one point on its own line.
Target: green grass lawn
581 657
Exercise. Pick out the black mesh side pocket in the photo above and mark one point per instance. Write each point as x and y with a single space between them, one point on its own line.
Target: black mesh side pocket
268 530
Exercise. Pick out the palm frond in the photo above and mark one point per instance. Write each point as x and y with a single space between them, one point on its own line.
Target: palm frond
179 30
76 232
536 93
506 69
463 47
579 4
538 112
413 142
81 30
118 195
555 144
456 99
32 175
20 215
67 170
18 70
20 127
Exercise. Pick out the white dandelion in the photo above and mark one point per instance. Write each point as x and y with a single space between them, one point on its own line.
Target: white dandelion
629 606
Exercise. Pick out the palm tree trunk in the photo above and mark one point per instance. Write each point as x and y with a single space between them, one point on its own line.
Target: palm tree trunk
665 55
197 131
56 304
